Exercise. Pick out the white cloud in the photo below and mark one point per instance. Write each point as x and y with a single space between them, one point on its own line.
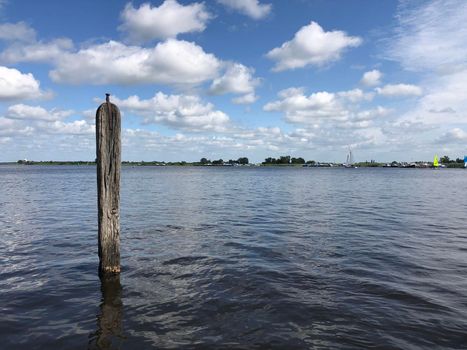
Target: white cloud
19 31
372 78
11 128
31 129
5 123
431 39
26 112
89 114
46 52
312 45
21 119
237 79
405 128
455 135
177 111
327 110
430 35
244 143
147 23
299 108
364 119
170 62
369 137
370 114
15 85
77 127
251 8
447 110
443 101
245 99
174 62
356 95
395 90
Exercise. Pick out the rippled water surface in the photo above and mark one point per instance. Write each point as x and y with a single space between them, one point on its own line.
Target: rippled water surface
294 258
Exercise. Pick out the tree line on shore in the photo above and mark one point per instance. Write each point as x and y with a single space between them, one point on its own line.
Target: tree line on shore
239 161
281 160
447 160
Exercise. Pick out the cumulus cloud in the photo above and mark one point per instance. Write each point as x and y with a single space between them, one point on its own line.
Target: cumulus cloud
369 119
147 23
11 128
251 8
174 62
186 112
15 85
327 109
312 45
372 78
29 131
5 123
89 114
405 128
396 90
370 114
455 135
22 117
24 47
356 95
302 109
19 31
245 99
77 127
170 62
237 79
27 112
37 51
245 142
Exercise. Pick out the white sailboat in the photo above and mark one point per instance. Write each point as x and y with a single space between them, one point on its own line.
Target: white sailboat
350 160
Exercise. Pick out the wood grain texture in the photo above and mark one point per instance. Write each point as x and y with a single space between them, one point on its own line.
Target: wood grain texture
108 151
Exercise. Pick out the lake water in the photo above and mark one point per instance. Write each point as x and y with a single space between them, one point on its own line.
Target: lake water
240 258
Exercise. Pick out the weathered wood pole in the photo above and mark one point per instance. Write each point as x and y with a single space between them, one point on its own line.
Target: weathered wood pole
108 151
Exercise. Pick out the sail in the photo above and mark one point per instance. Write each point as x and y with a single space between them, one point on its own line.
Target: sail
349 160
435 162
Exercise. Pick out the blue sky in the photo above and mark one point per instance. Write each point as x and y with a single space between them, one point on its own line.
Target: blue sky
232 78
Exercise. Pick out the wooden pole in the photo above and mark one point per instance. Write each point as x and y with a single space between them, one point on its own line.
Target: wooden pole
108 150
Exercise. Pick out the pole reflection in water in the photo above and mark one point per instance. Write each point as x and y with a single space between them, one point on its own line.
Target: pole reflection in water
109 334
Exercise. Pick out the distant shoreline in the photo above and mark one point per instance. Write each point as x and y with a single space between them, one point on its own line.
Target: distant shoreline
418 165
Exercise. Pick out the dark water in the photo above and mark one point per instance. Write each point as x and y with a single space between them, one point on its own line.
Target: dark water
243 258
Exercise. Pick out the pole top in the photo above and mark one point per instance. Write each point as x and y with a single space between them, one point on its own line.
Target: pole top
107 98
